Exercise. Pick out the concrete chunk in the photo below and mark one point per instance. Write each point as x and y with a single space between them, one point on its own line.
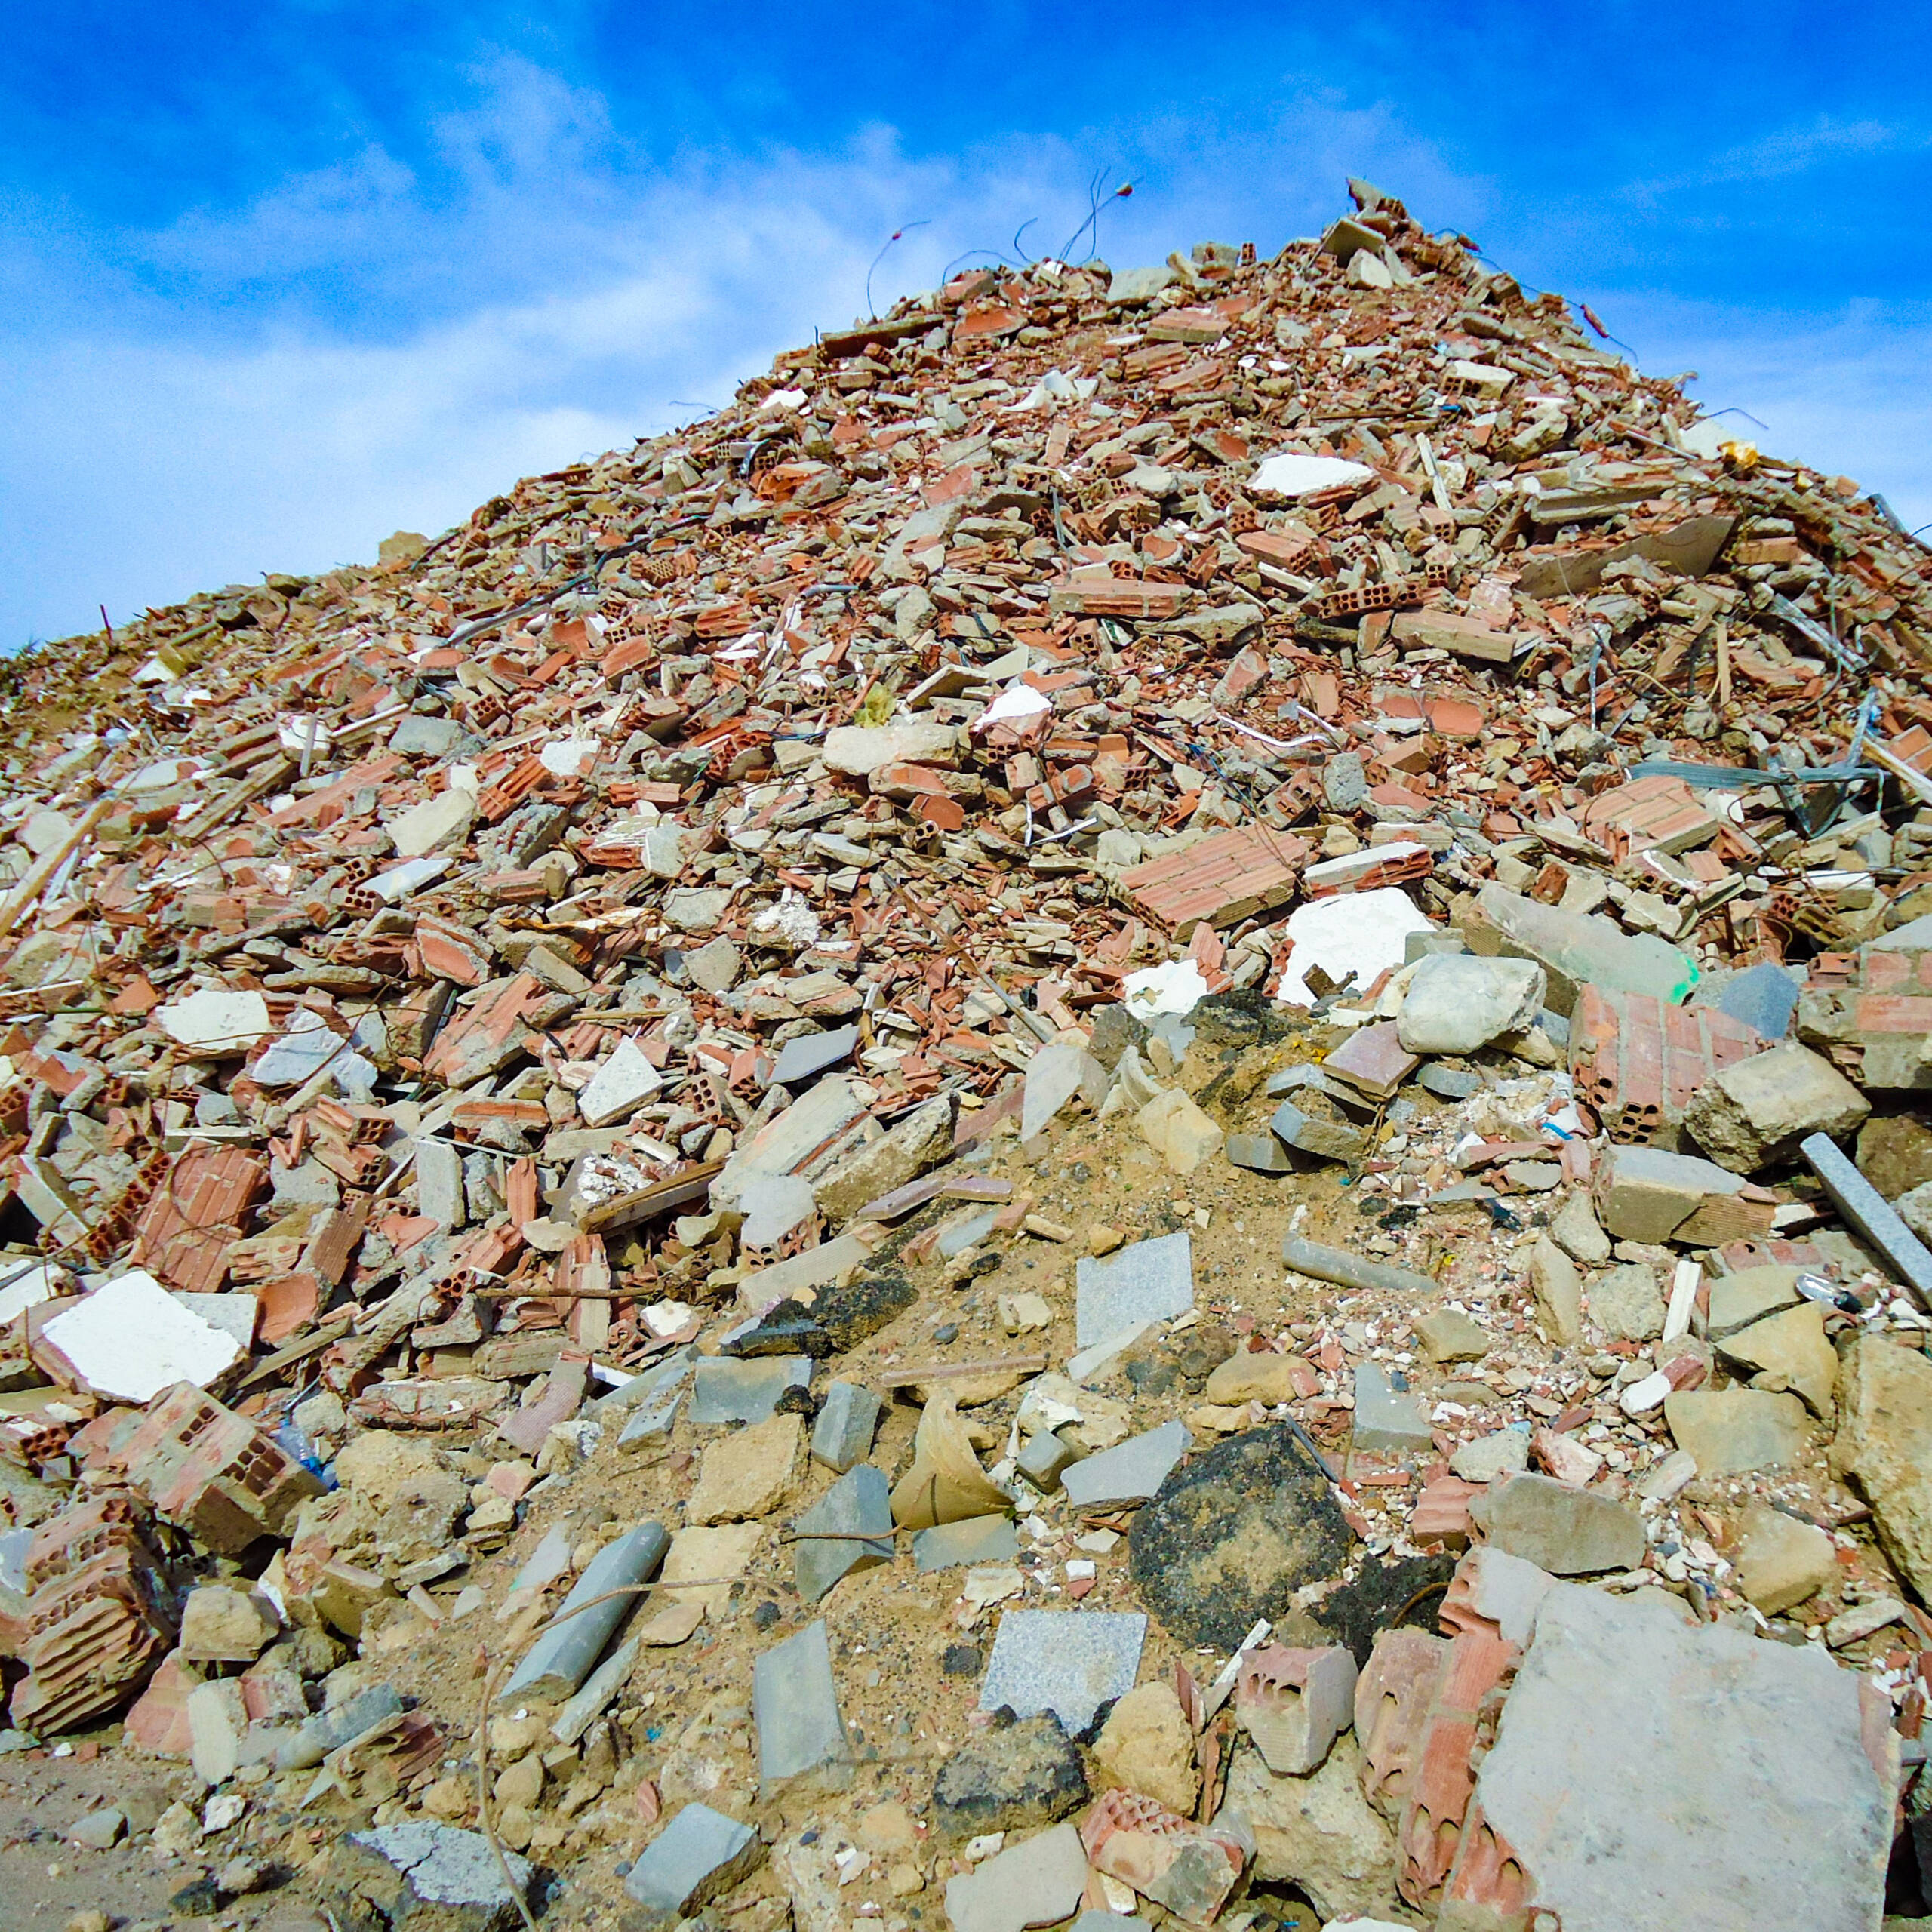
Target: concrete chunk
1386 1422
1884 1448
1037 1882
1754 1792
1566 1532
1729 1432
1648 1194
619 1087
421 1874
1457 1002
1755 1111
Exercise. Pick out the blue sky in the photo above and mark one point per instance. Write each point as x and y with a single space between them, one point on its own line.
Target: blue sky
276 279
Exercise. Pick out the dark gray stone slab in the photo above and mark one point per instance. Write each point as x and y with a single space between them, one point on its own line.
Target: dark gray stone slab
975 1539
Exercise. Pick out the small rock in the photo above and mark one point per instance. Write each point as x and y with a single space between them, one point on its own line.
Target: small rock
1178 1130
239 1877
1574 1229
1790 1345
1501 1453
1627 1305
220 1624
1146 1744
1558 1289
99 1829
1567 1532
1446 1334
1247 1378
1027 1775
1782 1562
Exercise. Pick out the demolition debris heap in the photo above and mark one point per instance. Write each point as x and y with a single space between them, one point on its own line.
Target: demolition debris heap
1118 1109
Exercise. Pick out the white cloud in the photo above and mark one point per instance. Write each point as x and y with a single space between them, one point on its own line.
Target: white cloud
378 345
1845 393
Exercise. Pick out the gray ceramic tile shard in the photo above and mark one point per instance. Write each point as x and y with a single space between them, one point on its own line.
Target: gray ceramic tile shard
975 1540
848 1528
809 1053
726 1389
1763 996
1152 1281
1130 1471
568 1650
1385 1420
795 1705
699 1854
1262 1154
847 1419
435 1874
1035 1882
1069 1662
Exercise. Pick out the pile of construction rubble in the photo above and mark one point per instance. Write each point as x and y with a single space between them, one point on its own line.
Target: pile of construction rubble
1111 1113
